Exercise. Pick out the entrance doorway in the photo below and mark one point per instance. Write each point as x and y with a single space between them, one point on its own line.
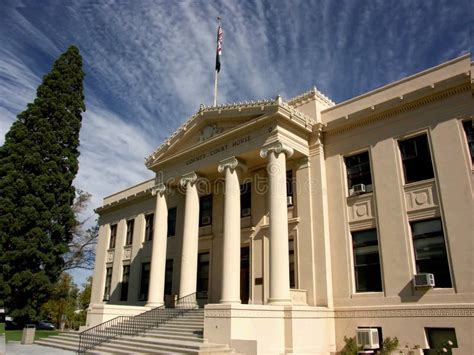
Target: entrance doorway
244 274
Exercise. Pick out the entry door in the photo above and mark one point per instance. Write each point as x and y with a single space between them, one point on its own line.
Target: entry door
244 274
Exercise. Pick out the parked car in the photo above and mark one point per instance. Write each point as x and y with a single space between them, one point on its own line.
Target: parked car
44 325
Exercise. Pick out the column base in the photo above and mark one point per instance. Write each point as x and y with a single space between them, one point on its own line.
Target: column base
230 301
279 301
154 304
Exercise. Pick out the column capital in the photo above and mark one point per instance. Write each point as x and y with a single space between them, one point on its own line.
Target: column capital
276 147
158 189
189 178
231 163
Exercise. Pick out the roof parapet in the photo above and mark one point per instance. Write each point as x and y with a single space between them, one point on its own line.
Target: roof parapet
308 95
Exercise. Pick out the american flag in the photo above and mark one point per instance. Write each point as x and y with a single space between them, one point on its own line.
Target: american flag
220 34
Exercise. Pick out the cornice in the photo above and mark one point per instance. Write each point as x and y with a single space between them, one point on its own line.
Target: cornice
307 96
364 121
282 107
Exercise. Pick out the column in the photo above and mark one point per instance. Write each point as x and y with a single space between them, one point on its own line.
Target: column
277 153
189 253
158 254
230 292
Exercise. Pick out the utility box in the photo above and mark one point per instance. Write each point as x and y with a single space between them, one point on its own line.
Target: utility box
28 335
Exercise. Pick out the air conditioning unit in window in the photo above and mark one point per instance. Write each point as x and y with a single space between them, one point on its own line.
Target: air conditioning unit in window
358 189
424 280
206 220
289 200
246 212
368 338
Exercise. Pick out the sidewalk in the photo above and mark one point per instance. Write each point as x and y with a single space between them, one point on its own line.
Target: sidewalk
15 348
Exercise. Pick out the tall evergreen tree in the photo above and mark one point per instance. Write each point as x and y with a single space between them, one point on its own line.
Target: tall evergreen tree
38 163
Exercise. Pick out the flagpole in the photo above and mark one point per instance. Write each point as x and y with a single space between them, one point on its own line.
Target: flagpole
217 59
215 88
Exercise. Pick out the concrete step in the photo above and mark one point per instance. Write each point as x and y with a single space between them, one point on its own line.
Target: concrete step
58 344
174 336
150 345
171 332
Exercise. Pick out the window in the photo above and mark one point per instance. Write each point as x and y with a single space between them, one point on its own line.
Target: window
205 210
358 172
172 222
144 282
169 277
416 159
130 225
245 199
113 236
439 338
291 248
125 278
469 130
149 226
430 250
289 187
108 283
366 261
203 272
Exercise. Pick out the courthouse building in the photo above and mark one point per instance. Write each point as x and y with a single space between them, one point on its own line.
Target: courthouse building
302 221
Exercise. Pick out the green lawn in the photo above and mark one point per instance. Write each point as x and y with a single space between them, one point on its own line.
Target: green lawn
2 328
15 335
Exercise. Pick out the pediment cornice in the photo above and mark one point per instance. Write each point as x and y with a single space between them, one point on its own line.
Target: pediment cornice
231 110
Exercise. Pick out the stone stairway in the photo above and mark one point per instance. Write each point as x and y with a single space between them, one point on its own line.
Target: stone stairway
181 335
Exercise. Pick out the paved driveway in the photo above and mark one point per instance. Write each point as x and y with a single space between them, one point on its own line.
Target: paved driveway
15 348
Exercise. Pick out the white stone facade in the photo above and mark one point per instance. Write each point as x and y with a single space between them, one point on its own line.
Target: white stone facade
381 190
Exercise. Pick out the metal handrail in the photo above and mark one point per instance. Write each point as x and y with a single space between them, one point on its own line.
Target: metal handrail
133 325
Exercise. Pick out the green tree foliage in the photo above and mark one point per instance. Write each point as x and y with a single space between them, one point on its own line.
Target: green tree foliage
38 163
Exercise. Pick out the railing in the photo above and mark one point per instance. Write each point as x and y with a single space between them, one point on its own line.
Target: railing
133 325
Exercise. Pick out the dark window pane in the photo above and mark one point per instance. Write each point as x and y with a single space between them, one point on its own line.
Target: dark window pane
245 199
144 282
169 277
430 250
149 226
130 226
291 249
113 236
366 261
358 170
203 272
416 159
125 278
108 283
172 222
289 183
205 210
469 130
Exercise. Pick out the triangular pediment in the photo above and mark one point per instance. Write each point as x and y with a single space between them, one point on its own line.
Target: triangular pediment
211 122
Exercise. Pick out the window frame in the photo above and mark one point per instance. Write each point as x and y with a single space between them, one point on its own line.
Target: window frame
125 284
357 266
426 175
470 144
245 198
130 232
169 232
113 236
417 260
108 283
349 180
149 226
202 200
144 285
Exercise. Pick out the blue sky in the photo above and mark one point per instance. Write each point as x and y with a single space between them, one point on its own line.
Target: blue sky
149 64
